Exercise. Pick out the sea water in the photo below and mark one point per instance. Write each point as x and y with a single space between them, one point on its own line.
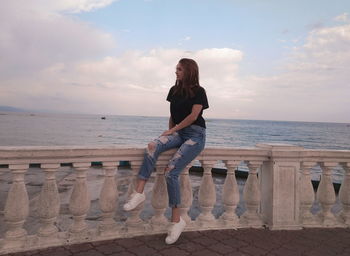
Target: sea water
40 129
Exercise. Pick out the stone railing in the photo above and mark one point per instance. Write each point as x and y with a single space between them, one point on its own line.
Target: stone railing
278 193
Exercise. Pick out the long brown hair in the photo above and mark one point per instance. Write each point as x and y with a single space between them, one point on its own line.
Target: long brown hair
190 81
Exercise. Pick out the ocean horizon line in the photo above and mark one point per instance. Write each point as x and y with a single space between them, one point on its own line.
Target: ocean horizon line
208 119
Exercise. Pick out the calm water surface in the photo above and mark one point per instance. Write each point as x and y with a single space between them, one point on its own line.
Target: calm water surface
24 129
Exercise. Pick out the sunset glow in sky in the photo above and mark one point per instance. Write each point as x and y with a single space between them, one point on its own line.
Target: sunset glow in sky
272 60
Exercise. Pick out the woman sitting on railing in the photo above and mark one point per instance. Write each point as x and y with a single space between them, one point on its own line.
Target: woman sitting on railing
187 131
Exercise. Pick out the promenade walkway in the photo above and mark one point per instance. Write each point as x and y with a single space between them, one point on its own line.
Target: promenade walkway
250 242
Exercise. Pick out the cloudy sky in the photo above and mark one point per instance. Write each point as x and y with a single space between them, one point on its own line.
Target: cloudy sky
258 59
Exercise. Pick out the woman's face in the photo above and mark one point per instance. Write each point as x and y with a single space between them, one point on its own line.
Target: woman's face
179 72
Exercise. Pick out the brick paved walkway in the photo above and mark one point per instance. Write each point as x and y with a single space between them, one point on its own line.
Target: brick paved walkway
308 242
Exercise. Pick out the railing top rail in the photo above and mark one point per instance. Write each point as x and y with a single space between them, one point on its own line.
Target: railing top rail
52 154
64 154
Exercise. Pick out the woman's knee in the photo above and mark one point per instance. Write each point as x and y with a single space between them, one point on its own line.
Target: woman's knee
151 148
153 145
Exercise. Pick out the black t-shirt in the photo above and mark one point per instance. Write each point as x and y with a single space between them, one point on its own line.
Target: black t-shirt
181 107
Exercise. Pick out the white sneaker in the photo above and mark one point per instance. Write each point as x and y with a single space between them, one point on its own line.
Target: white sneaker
134 201
175 231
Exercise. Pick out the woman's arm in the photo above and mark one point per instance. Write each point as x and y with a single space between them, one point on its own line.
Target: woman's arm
196 109
171 123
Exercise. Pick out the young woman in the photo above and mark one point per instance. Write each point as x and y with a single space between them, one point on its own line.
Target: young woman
186 132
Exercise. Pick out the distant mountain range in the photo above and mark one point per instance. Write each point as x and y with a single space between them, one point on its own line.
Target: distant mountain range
11 109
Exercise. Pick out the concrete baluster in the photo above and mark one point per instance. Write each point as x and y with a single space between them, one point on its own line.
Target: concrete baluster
326 195
159 200
80 200
49 202
2 193
134 221
230 195
344 194
307 195
16 208
207 196
186 194
108 199
252 197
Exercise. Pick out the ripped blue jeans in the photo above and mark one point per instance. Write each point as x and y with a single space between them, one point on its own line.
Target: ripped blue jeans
190 141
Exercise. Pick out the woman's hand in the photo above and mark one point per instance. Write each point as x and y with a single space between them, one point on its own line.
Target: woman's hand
168 132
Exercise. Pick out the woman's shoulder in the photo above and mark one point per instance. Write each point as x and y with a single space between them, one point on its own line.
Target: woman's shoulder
199 90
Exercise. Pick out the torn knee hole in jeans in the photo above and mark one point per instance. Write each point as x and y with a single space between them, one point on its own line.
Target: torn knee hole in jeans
171 162
190 142
163 139
151 148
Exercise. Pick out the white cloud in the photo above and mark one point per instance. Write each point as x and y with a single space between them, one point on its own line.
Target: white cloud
133 83
55 6
342 17
187 38
31 39
314 85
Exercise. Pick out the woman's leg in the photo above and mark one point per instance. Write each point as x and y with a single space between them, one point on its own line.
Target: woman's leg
140 186
175 214
185 154
153 150
189 150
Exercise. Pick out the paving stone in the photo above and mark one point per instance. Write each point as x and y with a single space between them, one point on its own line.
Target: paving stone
205 252
219 236
300 245
157 244
327 250
58 252
254 251
128 242
122 254
143 250
222 248
79 247
205 240
317 253
109 248
284 252
343 254
274 239
23 253
146 239
192 235
265 244
181 240
242 242
236 253
174 251
347 249
191 247
97 243
91 252
340 243
235 243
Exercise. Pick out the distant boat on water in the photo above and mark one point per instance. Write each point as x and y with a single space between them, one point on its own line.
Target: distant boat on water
103 118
